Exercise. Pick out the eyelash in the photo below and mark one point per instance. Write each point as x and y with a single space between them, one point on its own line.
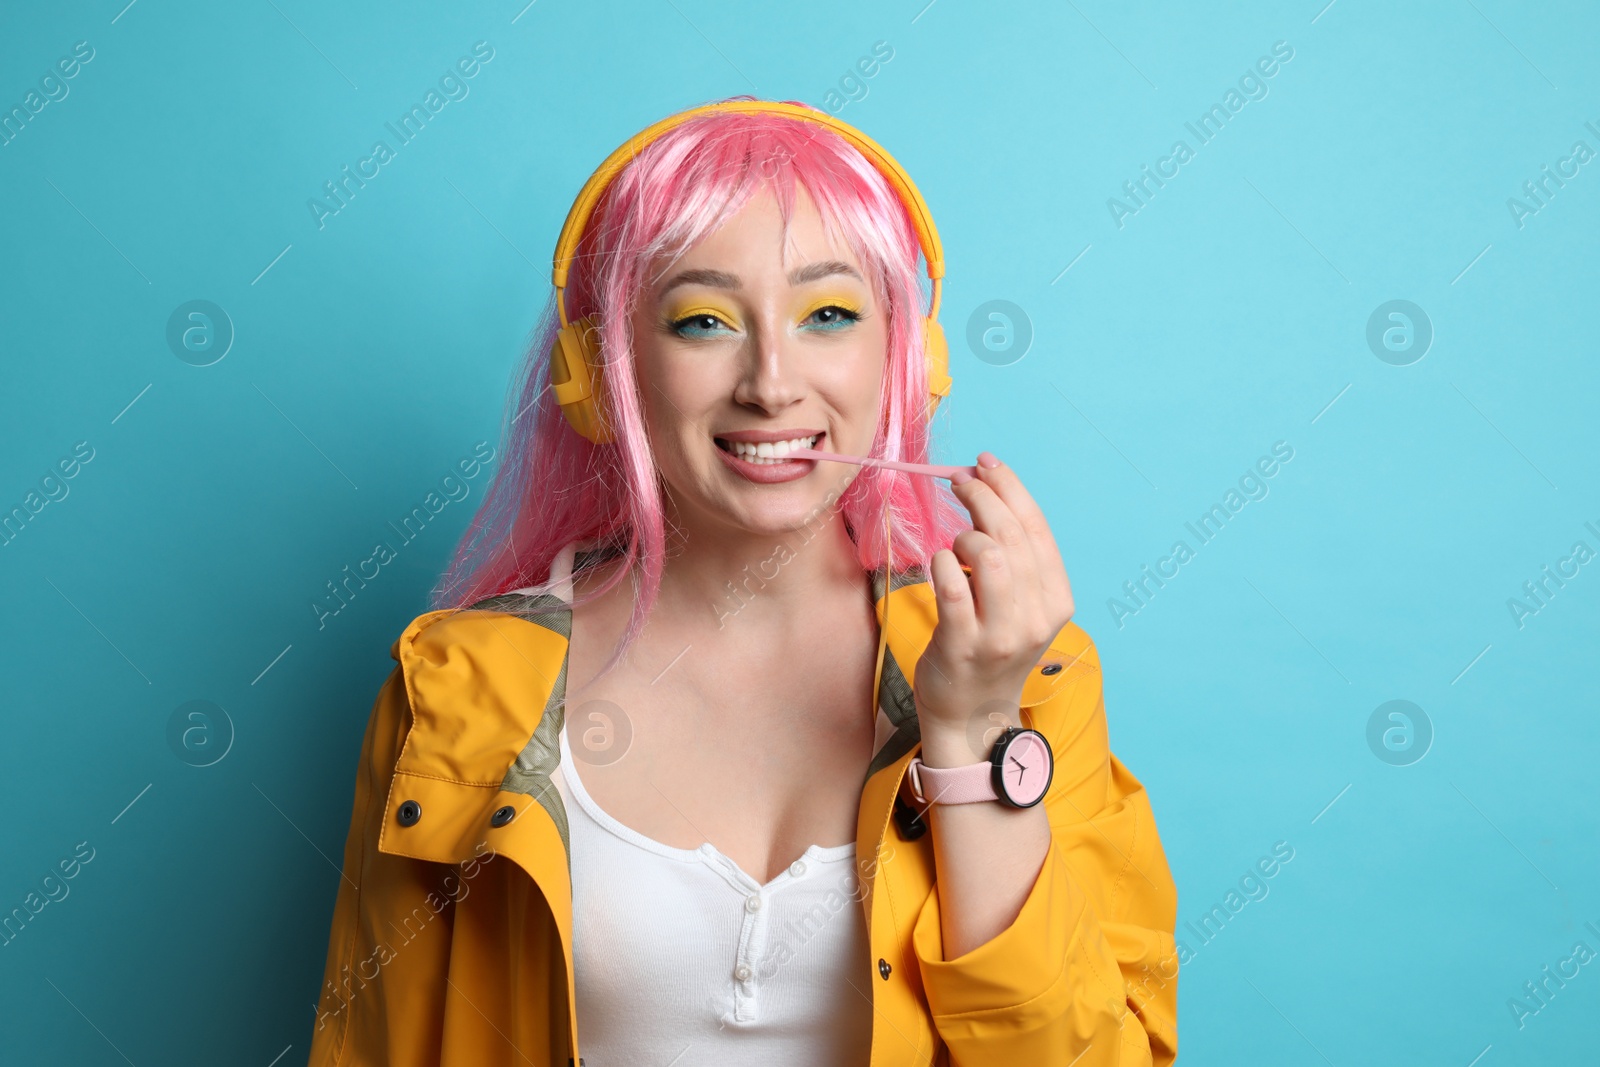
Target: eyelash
849 314
681 326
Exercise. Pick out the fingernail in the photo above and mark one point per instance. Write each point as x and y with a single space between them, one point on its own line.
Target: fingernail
987 459
960 478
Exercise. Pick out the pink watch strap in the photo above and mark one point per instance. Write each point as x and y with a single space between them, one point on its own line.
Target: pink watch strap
951 785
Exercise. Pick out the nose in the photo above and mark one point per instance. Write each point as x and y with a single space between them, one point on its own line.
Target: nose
772 378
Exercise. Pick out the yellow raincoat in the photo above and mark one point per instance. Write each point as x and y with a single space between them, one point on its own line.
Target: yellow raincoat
451 935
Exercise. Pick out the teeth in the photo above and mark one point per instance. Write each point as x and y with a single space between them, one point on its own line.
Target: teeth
769 451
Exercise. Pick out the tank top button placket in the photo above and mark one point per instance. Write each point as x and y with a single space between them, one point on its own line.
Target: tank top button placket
746 967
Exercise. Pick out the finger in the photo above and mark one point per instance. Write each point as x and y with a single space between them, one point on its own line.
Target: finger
993 585
992 516
1051 570
957 618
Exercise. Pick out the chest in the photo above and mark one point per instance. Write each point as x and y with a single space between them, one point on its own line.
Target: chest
760 755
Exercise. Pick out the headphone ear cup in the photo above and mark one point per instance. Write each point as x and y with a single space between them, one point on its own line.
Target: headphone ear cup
576 379
938 358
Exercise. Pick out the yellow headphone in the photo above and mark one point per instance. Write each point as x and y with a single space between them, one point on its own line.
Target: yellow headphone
575 359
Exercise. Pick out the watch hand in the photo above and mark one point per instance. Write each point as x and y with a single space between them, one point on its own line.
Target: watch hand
1020 764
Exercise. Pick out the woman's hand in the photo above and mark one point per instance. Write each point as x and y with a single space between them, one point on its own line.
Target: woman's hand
994 626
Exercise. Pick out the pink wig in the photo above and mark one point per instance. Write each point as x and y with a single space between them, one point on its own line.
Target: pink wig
553 486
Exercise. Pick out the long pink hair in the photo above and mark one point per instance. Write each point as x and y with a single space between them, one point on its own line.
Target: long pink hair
554 487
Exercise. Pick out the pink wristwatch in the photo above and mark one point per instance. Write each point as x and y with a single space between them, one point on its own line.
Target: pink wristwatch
1017 773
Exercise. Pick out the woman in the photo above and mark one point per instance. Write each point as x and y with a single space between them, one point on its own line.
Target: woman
655 798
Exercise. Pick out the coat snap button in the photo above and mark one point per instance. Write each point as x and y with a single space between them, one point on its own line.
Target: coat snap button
410 811
502 816
884 969
1050 668
912 824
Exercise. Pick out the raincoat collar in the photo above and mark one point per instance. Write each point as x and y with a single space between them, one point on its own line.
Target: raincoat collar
487 688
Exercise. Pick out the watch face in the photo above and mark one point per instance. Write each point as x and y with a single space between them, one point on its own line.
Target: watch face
1023 766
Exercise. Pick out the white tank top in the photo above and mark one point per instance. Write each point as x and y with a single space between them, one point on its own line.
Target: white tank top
681 958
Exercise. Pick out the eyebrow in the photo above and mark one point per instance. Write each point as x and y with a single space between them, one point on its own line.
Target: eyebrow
720 279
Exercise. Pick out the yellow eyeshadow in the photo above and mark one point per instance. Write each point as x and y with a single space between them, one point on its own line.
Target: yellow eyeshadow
678 312
839 300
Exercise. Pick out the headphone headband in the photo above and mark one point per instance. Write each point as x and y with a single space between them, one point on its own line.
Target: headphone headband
898 179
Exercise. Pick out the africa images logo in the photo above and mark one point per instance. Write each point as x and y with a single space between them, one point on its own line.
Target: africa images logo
1252 85
452 87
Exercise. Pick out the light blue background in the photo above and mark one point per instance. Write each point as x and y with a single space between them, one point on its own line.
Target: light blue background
1229 313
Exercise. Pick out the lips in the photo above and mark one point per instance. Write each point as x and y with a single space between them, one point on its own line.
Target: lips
762 456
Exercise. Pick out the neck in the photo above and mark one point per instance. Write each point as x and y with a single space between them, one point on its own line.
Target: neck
761 580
